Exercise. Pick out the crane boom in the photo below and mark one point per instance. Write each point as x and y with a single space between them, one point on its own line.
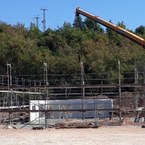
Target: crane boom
128 34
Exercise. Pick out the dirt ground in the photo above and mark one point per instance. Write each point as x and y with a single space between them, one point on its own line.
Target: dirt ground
104 135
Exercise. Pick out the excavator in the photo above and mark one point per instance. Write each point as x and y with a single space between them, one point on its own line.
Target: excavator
139 40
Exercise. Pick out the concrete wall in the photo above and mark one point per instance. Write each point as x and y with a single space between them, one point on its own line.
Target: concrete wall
71 104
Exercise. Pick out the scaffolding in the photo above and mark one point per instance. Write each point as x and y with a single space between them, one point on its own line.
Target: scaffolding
126 91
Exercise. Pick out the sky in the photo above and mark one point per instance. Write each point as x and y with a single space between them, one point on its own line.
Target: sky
131 12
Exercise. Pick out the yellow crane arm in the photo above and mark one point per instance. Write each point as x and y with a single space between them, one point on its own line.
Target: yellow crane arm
114 27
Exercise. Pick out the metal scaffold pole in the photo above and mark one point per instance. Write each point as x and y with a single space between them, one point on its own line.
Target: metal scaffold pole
119 85
46 86
9 81
83 89
136 93
144 89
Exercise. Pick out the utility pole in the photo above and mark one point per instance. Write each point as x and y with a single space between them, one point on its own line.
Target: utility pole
44 19
37 21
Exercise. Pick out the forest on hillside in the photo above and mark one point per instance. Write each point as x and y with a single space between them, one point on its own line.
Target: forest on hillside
64 48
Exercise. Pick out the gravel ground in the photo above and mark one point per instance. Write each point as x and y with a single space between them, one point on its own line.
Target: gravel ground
118 135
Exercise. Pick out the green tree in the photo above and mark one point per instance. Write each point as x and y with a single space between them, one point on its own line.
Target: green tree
140 30
114 36
78 23
93 25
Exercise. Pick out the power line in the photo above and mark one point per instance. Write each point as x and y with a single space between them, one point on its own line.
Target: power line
37 21
44 19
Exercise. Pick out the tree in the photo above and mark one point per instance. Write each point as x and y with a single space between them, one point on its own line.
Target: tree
140 30
114 36
78 23
34 32
92 25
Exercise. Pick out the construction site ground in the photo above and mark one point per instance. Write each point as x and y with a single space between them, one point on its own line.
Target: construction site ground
104 135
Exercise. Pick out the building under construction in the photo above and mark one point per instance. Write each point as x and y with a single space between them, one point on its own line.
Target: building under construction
48 99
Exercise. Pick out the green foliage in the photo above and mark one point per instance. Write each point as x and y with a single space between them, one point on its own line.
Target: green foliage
140 30
78 23
63 49
114 37
92 25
